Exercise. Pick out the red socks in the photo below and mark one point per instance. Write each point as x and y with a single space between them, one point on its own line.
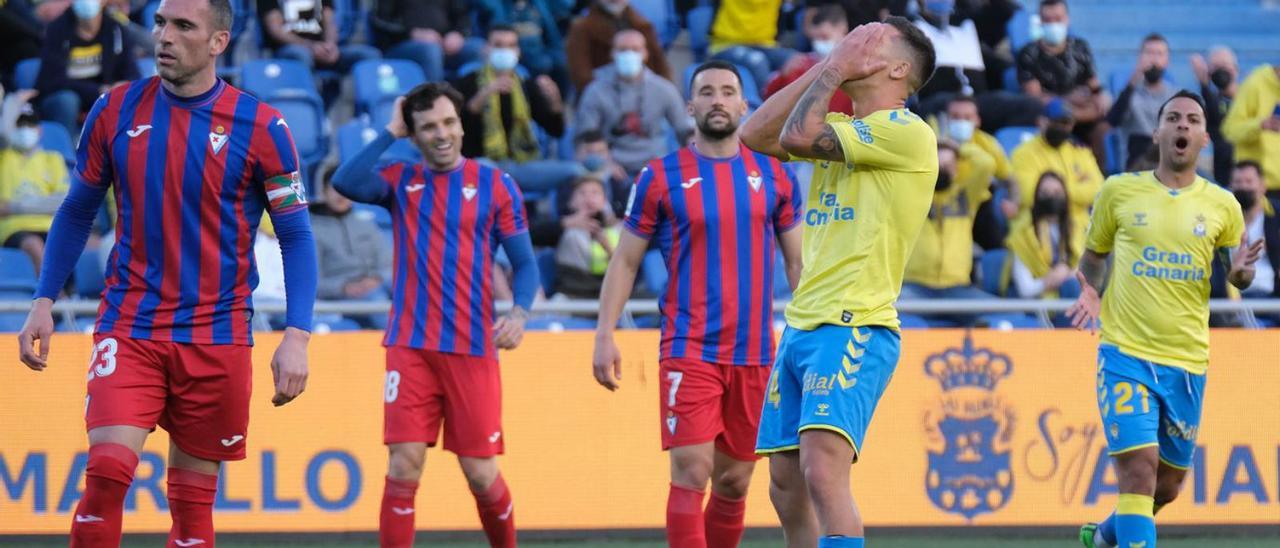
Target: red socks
497 514
684 518
395 526
106 481
191 496
724 521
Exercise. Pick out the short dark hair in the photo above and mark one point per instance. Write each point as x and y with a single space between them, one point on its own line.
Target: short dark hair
829 13
1246 164
588 136
1047 3
500 27
962 98
423 98
1154 37
924 59
222 14
1186 94
715 64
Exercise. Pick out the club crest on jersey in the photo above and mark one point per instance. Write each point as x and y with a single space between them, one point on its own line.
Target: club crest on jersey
969 432
218 138
468 192
1199 229
755 180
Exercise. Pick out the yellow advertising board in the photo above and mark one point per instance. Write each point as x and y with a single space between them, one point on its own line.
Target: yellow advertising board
981 428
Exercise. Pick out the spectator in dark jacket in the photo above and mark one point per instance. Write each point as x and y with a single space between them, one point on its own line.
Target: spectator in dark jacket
84 54
433 34
1218 87
590 40
22 33
307 31
1136 112
541 43
354 257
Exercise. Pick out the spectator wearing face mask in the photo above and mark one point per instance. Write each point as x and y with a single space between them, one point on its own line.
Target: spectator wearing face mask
84 54
1261 222
33 182
499 116
1061 65
941 264
826 26
590 39
1053 150
1043 261
1136 111
962 125
583 253
630 104
1218 86
538 33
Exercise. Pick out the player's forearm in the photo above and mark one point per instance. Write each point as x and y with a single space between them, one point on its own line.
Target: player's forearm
524 285
298 252
806 132
67 236
356 179
1094 268
762 129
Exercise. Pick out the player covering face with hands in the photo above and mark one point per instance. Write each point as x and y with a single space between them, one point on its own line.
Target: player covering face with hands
841 344
192 163
1163 228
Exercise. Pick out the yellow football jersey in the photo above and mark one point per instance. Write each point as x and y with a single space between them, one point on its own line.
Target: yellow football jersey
862 218
1156 304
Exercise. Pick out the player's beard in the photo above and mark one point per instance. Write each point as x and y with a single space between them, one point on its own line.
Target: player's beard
717 133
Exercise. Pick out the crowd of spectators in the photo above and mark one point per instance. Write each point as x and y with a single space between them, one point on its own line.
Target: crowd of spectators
572 98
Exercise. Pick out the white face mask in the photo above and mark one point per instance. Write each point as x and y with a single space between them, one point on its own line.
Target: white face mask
504 59
629 63
25 138
87 9
1055 33
823 47
960 131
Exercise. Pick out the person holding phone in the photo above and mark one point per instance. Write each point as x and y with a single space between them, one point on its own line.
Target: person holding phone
584 251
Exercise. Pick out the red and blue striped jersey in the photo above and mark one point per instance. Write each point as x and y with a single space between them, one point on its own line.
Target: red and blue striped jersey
191 178
716 221
447 227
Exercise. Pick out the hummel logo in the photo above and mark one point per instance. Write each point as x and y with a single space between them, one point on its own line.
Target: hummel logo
228 442
414 188
87 518
188 542
691 183
138 130
494 438
402 511
507 515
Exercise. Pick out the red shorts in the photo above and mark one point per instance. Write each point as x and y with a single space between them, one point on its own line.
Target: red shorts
701 402
198 393
425 387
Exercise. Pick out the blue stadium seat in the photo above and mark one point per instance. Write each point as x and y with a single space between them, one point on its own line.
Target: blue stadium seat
653 270
1019 29
661 13
266 78
11 322
349 13
147 66
16 271
912 321
354 135
375 213
699 21
89 276
1117 150
547 271
781 287
1011 80
379 81
304 113
25 73
1012 136
54 137
750 90
992 268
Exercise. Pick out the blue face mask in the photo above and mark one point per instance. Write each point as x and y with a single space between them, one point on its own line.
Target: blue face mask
1055 33
86 9
629 63
504 59
940 7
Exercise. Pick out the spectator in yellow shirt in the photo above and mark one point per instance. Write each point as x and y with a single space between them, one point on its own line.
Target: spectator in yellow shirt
963 125
1053 150
1253 123
746 32
33 181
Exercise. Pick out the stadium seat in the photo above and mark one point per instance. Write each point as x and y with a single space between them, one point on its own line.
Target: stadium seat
1117 149
547 271
912 321
266 78
16 271
661 13
304 113
89 277
699 21
348 13
354 135
468 68
1012 136
1019 29
377 214
781 287
11 322
54 137
147 66
379 81
750 91
992 268
653 270
25 73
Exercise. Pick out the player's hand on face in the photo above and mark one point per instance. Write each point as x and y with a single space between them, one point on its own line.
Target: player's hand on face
37 330
1084 312
398 126
857 55
606 363
289 366
508 331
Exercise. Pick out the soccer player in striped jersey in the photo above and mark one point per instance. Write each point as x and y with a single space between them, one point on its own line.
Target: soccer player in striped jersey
449 215
1165 227
873 183
716 209
192 162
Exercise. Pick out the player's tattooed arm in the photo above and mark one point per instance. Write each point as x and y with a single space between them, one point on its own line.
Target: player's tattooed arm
1093 266
806 132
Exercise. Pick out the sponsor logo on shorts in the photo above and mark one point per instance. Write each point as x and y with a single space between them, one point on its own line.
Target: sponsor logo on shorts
228 442
88 518
1180 429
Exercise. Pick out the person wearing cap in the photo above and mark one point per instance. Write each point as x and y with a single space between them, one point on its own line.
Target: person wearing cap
1054 150
33 181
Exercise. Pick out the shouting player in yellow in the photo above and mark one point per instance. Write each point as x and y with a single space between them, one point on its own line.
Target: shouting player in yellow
872 186
1164 227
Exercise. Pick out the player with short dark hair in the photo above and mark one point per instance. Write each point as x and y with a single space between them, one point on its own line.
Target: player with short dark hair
193 163
449 213
716 209
1164 227
873 183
